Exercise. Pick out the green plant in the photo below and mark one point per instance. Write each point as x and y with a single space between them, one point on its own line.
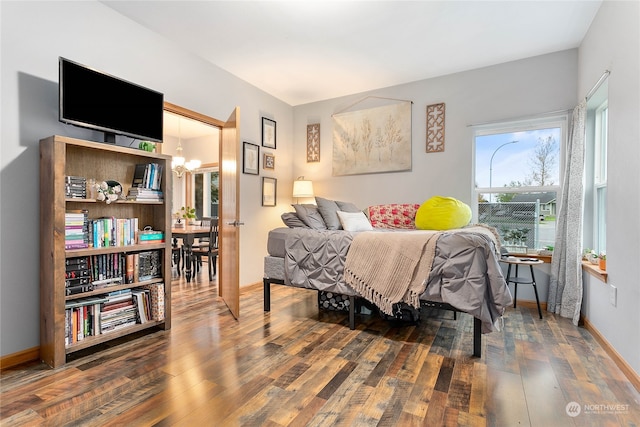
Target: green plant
186 212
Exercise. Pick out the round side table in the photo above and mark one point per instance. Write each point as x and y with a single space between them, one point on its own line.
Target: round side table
515 279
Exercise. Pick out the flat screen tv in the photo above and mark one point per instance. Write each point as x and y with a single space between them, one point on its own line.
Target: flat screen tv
99 101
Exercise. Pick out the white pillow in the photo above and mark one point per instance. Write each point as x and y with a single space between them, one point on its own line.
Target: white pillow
354 221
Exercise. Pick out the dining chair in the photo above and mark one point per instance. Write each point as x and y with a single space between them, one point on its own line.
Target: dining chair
210 250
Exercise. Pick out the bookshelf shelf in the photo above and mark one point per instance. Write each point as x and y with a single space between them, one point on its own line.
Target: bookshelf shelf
62 157
114 249
113 288
130 202
109 336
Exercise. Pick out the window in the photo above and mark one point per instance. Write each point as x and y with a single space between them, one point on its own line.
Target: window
205 195
595 230
517 180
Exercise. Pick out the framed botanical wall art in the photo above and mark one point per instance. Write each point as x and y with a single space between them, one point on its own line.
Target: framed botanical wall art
250 158
269 191
372 140
313 143
269 161
435 128
268 133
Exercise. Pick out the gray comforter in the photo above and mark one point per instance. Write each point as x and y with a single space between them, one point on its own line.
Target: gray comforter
465 271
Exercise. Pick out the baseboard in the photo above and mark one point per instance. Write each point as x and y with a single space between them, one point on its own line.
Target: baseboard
250 287
532 304
626 369
15 359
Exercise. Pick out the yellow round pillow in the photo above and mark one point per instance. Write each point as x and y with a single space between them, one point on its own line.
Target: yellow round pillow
442 213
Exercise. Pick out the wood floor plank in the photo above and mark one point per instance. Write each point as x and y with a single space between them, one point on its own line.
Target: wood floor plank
301 366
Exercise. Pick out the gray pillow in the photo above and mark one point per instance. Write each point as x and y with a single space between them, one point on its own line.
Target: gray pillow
309 215
329 211
291 220
347 207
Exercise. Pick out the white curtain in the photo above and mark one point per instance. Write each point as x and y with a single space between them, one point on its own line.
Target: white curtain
565 285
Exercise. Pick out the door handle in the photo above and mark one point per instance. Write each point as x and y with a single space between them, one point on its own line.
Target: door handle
235 223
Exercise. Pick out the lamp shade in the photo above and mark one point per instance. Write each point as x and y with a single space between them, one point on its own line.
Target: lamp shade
302 188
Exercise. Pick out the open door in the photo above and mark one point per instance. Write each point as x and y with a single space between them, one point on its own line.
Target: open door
229 215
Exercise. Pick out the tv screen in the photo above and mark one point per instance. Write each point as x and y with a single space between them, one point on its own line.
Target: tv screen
95 100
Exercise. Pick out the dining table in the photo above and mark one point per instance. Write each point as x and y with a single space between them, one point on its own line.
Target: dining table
188 233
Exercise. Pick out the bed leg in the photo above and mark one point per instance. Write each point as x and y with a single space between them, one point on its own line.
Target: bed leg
352 312
477 337
267 294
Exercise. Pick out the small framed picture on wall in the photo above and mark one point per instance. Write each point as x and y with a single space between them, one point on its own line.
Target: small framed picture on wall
269 161
269 191
268 133
250 158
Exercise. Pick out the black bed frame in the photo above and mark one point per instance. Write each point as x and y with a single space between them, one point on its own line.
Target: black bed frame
477 324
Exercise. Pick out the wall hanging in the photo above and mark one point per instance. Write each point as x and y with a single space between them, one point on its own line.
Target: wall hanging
269 191
372 140
268 133
435 128
313 143
269 161
250 156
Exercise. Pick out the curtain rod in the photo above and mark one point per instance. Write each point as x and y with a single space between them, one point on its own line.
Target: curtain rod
527 117
597 85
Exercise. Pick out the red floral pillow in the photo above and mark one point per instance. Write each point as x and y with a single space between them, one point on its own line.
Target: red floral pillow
394 215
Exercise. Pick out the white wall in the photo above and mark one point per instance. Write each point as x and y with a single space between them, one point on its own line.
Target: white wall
511 90
613 43
33 35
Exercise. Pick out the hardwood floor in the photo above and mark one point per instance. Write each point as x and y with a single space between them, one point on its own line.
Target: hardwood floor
296 367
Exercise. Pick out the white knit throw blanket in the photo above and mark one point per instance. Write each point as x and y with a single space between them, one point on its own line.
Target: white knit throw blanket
387 268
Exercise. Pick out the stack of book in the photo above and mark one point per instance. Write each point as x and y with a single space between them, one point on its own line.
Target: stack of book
146 176
76 229
145 195
118 311
150 236
75 187
77 276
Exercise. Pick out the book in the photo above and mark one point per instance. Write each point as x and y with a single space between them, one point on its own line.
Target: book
138 175
149 265
150 235
156 293
74 290
130 267
147 176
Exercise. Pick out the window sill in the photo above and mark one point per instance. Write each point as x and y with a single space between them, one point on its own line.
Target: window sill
595 271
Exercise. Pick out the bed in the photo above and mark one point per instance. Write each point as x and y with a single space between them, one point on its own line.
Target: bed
462 272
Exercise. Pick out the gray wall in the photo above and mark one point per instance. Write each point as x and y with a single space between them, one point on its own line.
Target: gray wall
613 43
34 34
512 90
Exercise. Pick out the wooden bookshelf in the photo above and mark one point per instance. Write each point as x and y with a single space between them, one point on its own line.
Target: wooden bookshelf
61 156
